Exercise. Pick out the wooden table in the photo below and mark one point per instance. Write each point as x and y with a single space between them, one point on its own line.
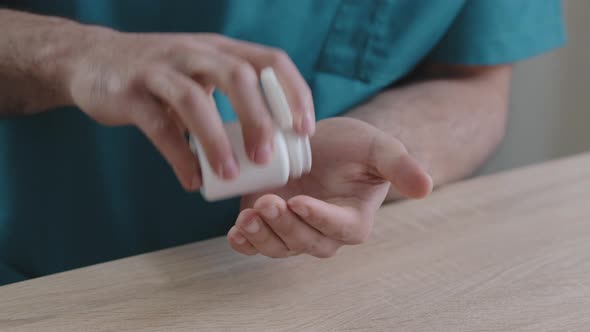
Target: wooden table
508 252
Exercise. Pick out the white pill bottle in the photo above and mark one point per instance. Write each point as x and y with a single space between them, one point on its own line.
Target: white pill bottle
291 157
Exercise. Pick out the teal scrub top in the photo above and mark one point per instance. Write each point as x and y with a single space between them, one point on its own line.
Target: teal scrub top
74 193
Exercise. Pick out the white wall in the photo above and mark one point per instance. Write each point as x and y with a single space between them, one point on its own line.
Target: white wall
550 103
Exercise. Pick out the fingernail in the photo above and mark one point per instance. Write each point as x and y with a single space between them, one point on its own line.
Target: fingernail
196 182
301 211
307 123
229 169
253 226
239 239
263 154
270 212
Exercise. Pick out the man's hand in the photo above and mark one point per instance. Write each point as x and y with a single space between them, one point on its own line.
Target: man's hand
161 83
354 165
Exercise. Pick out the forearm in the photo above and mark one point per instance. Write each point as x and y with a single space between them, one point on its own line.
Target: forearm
450 125
35 57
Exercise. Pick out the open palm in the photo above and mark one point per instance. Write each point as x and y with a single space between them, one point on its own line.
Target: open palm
354 165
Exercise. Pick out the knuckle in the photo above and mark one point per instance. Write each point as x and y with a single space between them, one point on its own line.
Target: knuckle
187 56
243 73
259 128
180 45
264 126
278 57
263 123
242 250
147 74
246 251
307 244
186 97
263 238
326 253
235 246
153 78
302 247
160 127
216 148
358 236
344 233
285 228
340 234
302 98
399 146
322 222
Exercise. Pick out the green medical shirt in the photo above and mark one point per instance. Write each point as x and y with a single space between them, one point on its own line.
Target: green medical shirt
73 192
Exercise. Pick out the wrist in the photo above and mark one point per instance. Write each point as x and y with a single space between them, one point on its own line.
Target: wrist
41 56
56 60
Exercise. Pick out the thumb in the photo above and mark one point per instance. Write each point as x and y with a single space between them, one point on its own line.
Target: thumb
393 163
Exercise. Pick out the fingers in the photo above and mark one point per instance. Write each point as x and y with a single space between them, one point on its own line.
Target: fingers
296 89
239 243
185 81
342 223
243 89
164 132
296 234
392 162
193 106
259 235
239 81
303 225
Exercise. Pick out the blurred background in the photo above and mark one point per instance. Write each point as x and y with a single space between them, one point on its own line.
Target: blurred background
550 103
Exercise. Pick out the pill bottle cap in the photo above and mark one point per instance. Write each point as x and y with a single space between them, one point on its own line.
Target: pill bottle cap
298 146
276 99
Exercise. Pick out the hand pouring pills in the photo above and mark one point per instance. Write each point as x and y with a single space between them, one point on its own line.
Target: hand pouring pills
291 158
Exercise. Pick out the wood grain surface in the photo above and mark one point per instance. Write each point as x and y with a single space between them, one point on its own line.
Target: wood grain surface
507 252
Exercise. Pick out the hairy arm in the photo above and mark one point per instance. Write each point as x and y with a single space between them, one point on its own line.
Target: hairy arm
451 118
159 82
33 61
